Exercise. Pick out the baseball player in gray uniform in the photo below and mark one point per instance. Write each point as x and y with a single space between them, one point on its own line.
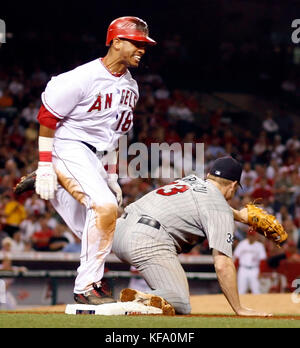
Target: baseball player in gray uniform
173 219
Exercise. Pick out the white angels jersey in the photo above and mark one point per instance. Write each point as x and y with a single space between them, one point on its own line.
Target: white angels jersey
95 105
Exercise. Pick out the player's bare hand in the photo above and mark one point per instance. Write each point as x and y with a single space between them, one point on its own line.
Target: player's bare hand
46 180
243 215
247 312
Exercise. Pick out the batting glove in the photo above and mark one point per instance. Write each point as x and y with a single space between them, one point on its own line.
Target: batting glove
112 181
46 180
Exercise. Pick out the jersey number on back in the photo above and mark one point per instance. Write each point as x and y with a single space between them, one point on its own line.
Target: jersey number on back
172 189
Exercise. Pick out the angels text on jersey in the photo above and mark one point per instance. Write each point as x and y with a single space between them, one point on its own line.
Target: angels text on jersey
104 102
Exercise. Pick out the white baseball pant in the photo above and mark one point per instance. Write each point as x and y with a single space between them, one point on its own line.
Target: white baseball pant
248 279
87 205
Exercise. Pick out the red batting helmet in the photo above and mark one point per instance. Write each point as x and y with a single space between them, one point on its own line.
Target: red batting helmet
132 28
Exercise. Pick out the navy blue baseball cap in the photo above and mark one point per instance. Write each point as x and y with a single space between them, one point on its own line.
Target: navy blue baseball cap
227 168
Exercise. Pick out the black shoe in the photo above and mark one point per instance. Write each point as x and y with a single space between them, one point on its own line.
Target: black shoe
96 296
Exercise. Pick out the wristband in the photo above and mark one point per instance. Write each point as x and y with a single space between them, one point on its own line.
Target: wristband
113 177
45 149
112 160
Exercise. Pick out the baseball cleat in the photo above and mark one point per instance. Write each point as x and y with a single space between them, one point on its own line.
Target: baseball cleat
131 295
96 296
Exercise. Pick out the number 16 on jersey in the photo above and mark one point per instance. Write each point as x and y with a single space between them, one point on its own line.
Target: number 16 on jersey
125 122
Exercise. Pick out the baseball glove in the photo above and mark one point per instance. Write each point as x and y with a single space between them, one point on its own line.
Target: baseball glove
266 224
26 183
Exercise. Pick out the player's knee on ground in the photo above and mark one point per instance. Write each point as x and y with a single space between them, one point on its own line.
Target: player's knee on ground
181 304
183 307
106 217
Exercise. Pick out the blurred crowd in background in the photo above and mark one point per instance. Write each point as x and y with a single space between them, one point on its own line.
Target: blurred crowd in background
173 81
271 158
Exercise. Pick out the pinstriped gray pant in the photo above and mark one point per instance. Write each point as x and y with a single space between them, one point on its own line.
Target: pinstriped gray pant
153 253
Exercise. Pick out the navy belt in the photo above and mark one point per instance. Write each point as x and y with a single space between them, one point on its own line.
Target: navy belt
93 149
150 222
146 221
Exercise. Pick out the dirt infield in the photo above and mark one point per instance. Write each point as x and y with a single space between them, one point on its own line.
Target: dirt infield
278 304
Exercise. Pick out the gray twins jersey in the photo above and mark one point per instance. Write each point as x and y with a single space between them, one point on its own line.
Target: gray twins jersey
190 210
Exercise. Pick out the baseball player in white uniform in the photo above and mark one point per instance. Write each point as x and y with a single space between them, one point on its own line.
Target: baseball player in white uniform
83 114
250 253
172 220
